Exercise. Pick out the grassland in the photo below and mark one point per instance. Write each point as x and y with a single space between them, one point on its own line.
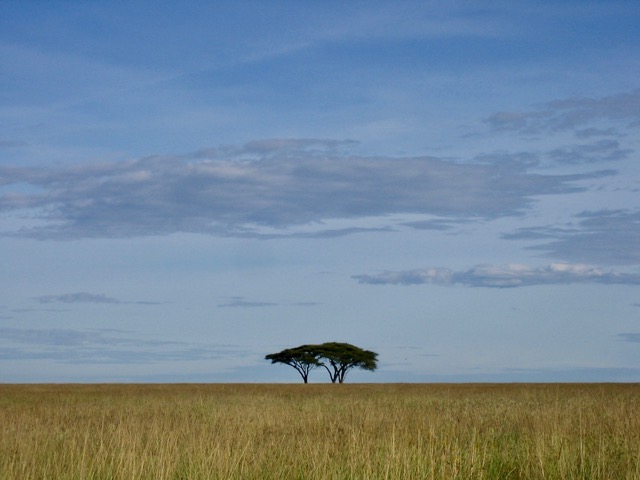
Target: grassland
320 431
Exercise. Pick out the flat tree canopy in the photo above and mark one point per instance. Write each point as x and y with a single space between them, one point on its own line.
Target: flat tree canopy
336 358
342 357
302 358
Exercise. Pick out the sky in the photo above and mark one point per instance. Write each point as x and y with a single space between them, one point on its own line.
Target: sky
186 187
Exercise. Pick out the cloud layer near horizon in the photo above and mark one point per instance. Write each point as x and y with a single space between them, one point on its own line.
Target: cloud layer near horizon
505 276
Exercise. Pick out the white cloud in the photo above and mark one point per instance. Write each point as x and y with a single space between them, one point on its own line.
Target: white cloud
502 276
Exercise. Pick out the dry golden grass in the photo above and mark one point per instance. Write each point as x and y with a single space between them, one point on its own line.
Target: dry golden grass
411 431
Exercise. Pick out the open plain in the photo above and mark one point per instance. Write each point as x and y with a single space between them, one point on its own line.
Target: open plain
320 431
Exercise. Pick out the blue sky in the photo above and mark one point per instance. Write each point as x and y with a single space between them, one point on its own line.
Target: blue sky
188 186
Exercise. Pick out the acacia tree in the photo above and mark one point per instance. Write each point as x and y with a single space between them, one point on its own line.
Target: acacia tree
342 357
303 358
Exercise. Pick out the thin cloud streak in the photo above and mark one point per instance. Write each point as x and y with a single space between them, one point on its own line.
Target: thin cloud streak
103 346
507 276
242 302
630 337
84 297
606 236
80 297
601 151
567 114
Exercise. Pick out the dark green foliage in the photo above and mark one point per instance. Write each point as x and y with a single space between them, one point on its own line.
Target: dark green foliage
302 358
336 358
342 357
